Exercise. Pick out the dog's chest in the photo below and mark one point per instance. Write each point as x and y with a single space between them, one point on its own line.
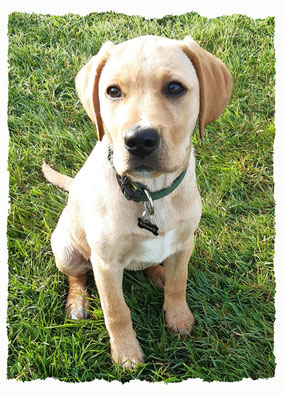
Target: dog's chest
159 247
153 250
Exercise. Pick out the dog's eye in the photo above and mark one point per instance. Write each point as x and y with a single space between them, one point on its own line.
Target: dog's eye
114 92
174 89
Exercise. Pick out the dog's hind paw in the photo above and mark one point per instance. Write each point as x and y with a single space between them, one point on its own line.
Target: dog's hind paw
77 307
156 274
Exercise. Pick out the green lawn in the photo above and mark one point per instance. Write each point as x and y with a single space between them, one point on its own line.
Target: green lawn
231 280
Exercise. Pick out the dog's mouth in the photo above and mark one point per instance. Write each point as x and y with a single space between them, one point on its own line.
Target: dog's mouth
142 171
144 168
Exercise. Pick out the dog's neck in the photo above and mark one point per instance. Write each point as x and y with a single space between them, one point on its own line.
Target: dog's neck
160 182
158 187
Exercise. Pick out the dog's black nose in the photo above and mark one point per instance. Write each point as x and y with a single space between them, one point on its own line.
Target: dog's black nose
141 141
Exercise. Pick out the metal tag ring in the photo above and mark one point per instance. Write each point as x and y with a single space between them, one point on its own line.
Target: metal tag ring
149 205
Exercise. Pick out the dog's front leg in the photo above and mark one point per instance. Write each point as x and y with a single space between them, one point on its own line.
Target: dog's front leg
177 314
125 348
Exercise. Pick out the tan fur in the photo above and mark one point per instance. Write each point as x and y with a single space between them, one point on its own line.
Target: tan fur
77 304
215 82
156 274
98 228
56 178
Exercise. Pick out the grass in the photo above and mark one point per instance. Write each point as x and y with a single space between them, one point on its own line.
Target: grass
231 279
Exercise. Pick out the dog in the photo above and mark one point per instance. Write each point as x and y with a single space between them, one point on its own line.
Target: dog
135 203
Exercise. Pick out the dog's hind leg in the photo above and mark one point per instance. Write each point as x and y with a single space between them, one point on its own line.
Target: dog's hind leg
156 274
75 266
77 304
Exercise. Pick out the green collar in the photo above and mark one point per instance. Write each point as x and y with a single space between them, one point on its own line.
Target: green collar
134 191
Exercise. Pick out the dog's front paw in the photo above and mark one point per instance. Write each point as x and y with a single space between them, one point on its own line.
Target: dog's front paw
179 319
127 352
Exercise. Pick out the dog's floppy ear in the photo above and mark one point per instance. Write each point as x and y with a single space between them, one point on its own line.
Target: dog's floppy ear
215 82
87 84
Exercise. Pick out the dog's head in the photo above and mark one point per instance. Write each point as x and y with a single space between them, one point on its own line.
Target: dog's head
146 95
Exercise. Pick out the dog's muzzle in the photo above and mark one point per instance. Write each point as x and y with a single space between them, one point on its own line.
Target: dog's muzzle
141 142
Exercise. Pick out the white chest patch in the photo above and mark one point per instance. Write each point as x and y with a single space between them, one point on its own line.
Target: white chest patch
154 251
159 248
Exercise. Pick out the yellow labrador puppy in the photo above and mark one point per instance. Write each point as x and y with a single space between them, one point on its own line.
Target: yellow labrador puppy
135 203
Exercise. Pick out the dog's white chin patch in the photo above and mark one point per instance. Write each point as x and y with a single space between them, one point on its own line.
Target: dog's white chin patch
141 173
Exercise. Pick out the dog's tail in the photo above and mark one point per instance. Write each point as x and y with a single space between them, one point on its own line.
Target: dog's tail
56 178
